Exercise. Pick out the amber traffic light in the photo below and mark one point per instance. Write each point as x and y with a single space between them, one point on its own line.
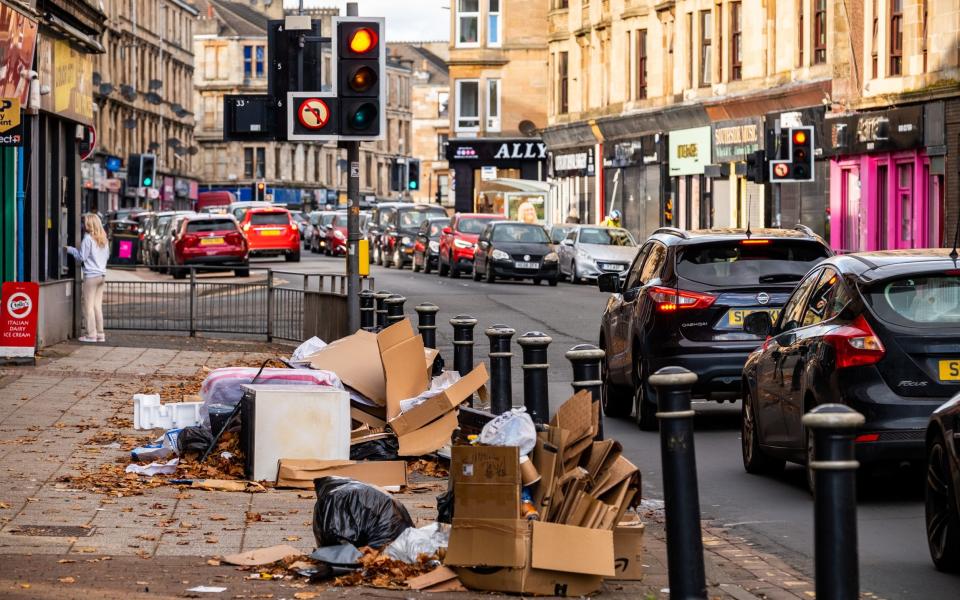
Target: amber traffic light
361 73
363 40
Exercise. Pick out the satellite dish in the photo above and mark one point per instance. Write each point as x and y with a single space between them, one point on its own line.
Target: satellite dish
154 145
155 84
154 98
106 88
193 150
129 123
527 128
173 142
97 79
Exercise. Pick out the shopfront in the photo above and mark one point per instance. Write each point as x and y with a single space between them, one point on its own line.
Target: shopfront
883 194
736 201
691 193
474 161
802 203
632 181
573 175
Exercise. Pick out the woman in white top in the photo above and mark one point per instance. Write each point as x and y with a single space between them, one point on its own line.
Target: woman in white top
92 255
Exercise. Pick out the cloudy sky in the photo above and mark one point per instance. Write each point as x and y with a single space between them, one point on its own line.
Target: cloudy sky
407 20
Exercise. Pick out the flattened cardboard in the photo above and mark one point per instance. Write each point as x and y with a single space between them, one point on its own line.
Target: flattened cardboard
570 549
300 473
430 438
576 416
437 406
485 464
545 459
261 556
628 552
356 361
620 470
429 580
536 582
366 418
488 543
401 354
486 500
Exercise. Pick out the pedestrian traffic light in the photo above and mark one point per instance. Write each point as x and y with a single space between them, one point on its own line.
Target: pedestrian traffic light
259 189
361 73
796 164
413 175
148 170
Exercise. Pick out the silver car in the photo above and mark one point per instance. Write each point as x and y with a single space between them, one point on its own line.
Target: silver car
589 251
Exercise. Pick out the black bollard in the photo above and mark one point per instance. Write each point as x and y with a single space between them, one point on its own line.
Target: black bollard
586 360
535 365
427 323
381 297
368 314
834 466
501 390
394 305
463 343
680 495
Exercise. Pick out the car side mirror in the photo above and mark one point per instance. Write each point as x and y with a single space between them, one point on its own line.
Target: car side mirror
609 282
758 323
447 231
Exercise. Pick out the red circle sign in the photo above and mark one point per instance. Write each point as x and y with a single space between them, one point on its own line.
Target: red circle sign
781 170
19 305
313 113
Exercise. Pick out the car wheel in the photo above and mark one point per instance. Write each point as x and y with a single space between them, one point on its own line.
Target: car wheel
293 256
476 272
454 269
442 269
397 258
755 460
243 272
536 281
644 401
489 276
553 282
415 266
574 278
178 272
615 399
940 508
426 264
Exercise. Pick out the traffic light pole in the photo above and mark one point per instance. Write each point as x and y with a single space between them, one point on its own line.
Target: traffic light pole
353 235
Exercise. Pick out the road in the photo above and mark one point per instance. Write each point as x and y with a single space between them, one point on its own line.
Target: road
775 513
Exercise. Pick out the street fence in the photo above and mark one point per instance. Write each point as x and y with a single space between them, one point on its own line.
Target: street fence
275 304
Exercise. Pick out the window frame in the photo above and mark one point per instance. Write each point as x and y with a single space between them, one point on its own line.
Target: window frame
736 40
499 23
895 38
459 30
819 26
458 86
248 61
491 125
640 93
563 82
705 72
801 37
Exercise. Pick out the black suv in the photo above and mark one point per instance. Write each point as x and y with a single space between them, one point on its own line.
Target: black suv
683 303
397 237
878 331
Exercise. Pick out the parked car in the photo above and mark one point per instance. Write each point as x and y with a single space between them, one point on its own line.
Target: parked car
396 240
942 497
380 218
271 231
239 209
166 240
588 252
515 250
124 214
318 235
426 246
301 221
215 201
336 238
154 230
558 233
879 332
210 241
683 303
458 241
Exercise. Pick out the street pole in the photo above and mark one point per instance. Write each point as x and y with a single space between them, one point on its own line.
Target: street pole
353 221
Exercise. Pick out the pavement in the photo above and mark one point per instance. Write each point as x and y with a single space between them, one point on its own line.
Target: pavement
59 540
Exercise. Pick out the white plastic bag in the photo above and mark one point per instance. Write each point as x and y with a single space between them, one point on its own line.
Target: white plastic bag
437 385
512 428
307 348
413 542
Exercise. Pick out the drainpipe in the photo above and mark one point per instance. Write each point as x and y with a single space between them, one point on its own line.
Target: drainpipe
21 194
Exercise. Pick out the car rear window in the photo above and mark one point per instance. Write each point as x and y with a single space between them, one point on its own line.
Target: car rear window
270 218
606 236
520 234
474 226
931 300
749 262
412 218
211 225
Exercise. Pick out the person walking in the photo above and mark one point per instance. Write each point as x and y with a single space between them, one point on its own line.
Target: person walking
92 256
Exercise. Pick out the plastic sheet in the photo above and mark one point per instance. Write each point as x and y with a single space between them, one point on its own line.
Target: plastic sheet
382 449
348 511
437 385
223 386
413 542
165 446
512 428
307 348
445 506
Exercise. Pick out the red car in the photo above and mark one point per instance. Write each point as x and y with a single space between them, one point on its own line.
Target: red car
210 241
458 240
337 234
271 231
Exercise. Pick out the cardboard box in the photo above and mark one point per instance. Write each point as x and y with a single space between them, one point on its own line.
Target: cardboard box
533 557
628 551
300 473
486 482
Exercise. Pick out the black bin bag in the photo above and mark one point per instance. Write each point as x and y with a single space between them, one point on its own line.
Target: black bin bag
348 511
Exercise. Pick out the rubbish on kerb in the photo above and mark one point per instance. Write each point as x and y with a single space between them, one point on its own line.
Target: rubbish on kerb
150 413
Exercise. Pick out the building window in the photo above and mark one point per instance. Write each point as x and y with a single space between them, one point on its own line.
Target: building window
819 32
248 163
215 66
560 4
468 105
443 104
443 140
736 48
468 22
801 39
690 50
706 54
563 79
443 186
896 37
875 41
641 64
493 23
253 162
253 59
261 163
493 105
923 33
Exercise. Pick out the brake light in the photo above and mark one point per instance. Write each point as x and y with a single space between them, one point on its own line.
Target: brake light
191 240
754 242
856 344
867 437
234 237
671 300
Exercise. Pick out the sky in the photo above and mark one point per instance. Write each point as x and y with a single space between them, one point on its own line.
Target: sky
407 20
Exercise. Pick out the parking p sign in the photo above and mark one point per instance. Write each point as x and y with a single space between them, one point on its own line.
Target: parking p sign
18 319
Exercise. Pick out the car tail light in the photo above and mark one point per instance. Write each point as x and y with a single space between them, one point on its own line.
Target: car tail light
234 237
670 300
191 240
867 437
856 344
754 242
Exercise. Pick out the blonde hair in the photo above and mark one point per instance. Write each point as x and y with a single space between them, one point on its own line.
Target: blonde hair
94 228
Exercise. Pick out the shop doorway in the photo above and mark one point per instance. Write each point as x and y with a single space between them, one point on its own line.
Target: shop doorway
852 210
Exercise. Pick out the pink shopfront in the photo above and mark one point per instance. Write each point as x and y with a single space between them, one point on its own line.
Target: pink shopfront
883 194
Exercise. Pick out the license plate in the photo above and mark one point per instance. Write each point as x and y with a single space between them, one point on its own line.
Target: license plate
270 232
211 241
736 316
617 268
949 370
527 265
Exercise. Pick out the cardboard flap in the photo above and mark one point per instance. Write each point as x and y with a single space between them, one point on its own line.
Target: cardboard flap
490 543
435 407
300 473
428 439
576 416
356 361
572 549
485 464
402 356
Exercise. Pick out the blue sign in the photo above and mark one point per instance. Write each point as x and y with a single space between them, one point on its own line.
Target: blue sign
114 163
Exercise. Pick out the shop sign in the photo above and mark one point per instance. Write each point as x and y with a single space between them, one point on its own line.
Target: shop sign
576 163
497 150
19 305
167 189
181 187
886 131
72 83
113 185
734 140
689 151
113 163
488 173
18 39
11 133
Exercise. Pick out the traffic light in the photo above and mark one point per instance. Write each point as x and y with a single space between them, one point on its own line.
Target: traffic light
413 175
259 189
361 78
148 170
756 167
796 164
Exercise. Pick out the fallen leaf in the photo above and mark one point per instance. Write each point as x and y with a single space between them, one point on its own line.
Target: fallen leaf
212 540
67 580
292 538
217 518
213 562
305 595
4 505
65 561
25 586
143 583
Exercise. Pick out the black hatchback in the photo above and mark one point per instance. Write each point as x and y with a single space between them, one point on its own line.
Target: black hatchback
877 331
515 250
683 303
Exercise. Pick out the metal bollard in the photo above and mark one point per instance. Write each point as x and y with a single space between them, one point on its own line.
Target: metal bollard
381 310
368 314
535 365
463 343
586 360
427 323
834 467
394 305
501 389
680 494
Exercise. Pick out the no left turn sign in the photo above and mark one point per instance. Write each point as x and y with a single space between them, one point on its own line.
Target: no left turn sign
313 113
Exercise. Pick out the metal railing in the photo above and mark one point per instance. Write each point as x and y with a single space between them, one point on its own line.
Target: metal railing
271 303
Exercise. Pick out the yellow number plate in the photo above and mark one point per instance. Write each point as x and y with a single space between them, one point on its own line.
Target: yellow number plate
213 241
950 370
270 232
736 316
